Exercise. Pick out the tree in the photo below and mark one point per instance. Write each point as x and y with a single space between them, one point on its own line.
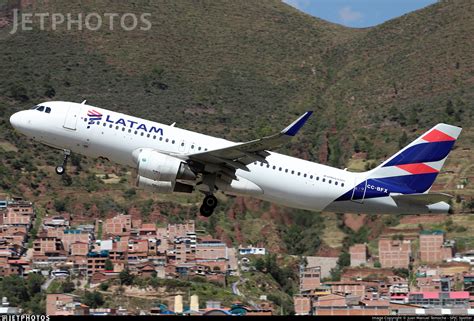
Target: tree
402 272
34 282
449 107
93 299
259 264
109 266
68 286
104 286
126 278
344 259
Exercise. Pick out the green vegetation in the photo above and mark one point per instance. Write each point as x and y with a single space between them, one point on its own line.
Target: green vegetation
373 91
24 292
93 299
285 276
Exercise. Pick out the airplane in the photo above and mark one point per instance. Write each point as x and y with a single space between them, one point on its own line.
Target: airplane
169 159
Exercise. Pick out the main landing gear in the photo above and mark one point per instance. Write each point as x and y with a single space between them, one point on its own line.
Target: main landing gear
208 205
61 169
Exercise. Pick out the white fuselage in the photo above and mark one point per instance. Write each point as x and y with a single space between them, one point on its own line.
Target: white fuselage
284 180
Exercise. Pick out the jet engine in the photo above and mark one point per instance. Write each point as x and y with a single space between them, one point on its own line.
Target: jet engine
159 173
163 186
162 168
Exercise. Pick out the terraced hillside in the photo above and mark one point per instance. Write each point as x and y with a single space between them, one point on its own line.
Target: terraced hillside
239 70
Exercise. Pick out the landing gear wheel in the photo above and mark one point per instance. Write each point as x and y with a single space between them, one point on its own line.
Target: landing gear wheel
60 170
208 205
206 211
210 201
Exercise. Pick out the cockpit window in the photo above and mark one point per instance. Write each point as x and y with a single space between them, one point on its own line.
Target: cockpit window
48 110
34 107
40 108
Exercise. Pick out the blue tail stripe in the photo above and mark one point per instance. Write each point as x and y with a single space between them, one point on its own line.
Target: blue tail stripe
380 187
421 153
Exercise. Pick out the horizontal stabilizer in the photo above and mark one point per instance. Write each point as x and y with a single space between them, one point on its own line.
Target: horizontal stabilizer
422 199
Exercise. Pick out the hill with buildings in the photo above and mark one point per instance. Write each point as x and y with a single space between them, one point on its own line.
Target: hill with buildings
241 70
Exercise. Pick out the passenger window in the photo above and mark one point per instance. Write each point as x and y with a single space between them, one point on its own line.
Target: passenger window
305 175
330 182
342 184
105 124
311 177
299 173
142 134
48 110
274 167
166 140
324 180
292 172
172 142
335 183
123 129
280 169
268 165
110 126
116 127
154 137
286 170
148 136
135 132
317 178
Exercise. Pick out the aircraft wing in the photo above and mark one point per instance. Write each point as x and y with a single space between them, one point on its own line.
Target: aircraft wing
422 199
242 154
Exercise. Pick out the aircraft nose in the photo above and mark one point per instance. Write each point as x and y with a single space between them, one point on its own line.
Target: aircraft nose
15 120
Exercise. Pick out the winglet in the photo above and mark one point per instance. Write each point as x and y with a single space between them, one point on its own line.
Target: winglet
297 124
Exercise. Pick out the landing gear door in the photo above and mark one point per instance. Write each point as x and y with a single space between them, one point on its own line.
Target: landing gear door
359 192
71 117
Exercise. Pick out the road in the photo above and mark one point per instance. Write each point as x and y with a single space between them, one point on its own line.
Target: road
235 290
46 284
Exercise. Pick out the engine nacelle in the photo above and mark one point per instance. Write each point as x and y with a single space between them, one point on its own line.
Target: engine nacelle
163 186
160 167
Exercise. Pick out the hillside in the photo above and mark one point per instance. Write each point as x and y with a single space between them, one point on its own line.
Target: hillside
238 70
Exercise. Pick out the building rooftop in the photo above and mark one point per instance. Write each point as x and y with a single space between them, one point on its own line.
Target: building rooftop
431 232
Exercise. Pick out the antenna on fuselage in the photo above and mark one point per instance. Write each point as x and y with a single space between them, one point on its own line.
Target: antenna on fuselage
84 102
172 125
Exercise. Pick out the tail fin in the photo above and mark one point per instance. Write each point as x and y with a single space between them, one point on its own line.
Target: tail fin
415 167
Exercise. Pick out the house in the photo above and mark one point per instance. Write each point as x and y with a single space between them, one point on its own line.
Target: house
394 253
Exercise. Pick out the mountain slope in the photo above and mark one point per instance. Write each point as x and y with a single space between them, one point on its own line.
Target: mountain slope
239 70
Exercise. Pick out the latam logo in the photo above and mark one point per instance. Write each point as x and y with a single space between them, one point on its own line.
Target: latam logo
94 115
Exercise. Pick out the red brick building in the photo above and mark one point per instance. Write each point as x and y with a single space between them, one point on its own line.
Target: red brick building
432 247
118 225
358 253
394 253
310 278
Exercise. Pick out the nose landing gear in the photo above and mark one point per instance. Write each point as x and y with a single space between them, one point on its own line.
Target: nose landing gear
61 169
208 205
